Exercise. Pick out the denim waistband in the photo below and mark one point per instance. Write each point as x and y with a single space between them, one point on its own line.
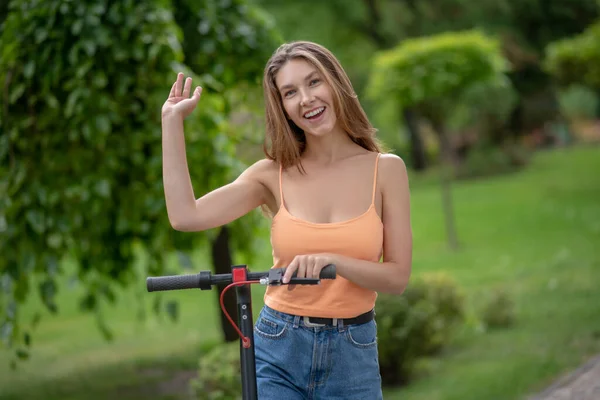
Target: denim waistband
283 316
296 320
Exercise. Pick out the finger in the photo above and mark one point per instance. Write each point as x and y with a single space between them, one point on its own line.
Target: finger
179 84
187 88
289 271
316 271
172 92
197 93
310 265
302 266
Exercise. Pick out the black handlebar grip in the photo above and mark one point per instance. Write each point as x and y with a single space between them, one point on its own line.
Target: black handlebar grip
328 272
175 282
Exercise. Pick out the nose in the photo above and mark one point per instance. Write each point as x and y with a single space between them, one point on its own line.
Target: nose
307 98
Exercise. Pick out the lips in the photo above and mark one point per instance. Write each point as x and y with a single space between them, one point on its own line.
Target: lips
314 113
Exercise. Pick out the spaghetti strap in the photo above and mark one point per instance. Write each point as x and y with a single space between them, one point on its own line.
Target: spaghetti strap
280 187
375 178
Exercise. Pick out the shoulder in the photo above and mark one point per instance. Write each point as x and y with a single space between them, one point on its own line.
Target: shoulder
262 167
393 178
391 165
392 174
264 171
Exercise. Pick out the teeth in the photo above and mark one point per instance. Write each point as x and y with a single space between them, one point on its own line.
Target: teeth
315 112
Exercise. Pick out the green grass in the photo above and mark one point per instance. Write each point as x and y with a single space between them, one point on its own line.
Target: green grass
535 233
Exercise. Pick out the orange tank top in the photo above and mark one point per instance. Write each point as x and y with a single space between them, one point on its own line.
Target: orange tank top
360 237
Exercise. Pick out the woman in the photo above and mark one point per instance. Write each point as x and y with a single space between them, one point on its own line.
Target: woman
335 199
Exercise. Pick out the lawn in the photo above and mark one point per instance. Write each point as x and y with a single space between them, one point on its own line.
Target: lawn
535 233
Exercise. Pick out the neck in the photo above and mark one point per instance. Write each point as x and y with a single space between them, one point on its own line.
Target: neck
330 147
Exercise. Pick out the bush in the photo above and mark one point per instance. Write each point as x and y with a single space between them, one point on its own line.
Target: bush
417 324
578 102
498 311
575 59
483 161
219 375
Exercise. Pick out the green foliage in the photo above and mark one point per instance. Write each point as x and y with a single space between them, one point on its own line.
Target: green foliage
229 40
576 59
498 310
417 324
219 376
488 103
81 149
537 23
578 102
486 160
80 155
436 68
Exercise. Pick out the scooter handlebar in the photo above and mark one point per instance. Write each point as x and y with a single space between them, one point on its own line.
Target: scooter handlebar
204 280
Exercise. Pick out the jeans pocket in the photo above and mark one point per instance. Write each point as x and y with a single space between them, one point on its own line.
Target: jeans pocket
363 335
270 328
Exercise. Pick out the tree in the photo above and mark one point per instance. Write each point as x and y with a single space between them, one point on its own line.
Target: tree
430 74
80 151
576 60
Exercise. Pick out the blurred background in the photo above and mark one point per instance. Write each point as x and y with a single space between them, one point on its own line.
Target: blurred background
492 104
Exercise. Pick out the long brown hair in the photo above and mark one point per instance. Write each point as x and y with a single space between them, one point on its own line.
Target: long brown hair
284 140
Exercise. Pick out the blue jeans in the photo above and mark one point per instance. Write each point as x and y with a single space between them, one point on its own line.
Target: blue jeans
297 362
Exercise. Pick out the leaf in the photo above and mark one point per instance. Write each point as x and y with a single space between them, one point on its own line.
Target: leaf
48 293
35 320
35 218
54 240
22 354
29 69
16 93
103 327
102 188
88 302
76 27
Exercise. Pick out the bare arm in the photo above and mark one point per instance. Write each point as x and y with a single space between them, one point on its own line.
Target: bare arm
219 207
393 274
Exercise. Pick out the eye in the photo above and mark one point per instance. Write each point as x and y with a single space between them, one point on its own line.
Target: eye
314 81
289 93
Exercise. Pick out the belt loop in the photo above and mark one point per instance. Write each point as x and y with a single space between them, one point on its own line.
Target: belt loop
340 324
296 321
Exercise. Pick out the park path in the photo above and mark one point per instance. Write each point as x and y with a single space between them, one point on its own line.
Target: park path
581 384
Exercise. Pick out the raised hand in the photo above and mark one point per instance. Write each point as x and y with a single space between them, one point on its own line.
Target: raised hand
179 101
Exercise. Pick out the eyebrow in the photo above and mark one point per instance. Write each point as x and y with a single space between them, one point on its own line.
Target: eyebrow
288 86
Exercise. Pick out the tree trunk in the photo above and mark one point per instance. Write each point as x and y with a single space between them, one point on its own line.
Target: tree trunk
222 261
447 166
417 149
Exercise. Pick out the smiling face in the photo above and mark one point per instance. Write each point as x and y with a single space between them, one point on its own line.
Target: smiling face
303 77
306 96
